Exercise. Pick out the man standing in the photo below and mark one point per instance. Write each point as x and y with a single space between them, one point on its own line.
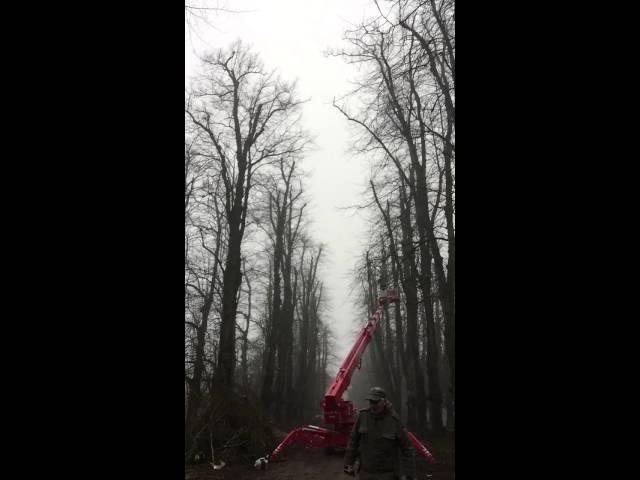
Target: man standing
380 439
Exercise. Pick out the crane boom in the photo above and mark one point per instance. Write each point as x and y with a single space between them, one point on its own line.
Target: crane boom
343 378
339 412
336 410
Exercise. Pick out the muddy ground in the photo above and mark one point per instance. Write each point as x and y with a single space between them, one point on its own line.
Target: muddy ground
307 463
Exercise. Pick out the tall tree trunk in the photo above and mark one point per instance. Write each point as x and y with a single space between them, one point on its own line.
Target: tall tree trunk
267 394
194 400
244 367
388 344
446 283
286 345
382 364
231 283
302 377
290 301
435 394
407 272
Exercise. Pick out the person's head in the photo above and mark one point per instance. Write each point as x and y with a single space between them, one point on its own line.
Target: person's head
377 399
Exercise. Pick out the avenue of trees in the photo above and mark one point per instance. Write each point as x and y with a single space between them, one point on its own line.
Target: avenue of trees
403 116
255 329
253 293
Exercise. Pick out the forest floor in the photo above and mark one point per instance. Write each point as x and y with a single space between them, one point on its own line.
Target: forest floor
307 463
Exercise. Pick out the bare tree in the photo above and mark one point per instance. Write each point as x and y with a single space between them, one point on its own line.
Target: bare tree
198 12
406 119
308 307
201 284
283 223
248 117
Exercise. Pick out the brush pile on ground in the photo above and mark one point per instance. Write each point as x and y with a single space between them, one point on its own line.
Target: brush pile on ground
234 429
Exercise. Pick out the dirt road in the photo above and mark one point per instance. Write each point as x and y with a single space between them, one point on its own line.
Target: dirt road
304 463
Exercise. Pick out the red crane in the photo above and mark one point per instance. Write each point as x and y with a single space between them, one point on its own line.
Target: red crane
337 411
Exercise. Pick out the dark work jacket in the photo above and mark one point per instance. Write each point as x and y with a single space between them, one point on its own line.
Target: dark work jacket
382 444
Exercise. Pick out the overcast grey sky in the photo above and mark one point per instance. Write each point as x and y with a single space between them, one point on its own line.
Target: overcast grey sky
291 35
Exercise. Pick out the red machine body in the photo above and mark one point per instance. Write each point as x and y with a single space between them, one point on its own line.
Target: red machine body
337 411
